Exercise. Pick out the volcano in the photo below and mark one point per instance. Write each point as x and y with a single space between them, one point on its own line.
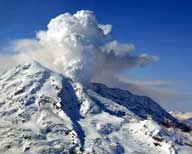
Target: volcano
44 112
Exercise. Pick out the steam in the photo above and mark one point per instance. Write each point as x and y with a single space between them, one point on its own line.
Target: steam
77 46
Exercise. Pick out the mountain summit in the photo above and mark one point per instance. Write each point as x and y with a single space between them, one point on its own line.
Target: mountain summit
43 112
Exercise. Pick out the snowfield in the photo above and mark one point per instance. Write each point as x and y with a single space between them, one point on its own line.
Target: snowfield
43 112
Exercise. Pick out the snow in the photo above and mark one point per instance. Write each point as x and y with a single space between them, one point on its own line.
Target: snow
43 112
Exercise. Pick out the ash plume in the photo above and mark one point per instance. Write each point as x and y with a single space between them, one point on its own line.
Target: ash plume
79 47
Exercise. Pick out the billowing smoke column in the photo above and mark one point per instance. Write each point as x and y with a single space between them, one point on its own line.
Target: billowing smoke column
80 48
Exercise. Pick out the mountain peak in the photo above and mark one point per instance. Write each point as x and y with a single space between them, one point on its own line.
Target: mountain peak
44 112
33 66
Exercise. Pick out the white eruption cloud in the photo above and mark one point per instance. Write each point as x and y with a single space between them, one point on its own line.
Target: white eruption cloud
80 48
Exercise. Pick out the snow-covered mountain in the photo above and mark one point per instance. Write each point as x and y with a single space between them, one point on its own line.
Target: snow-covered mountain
43 112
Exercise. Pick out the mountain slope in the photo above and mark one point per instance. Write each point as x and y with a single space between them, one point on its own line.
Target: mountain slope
43 112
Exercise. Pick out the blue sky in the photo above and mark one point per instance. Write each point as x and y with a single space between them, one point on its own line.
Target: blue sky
162 28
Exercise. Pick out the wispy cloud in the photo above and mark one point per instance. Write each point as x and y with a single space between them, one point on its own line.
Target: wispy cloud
149 83
163 91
